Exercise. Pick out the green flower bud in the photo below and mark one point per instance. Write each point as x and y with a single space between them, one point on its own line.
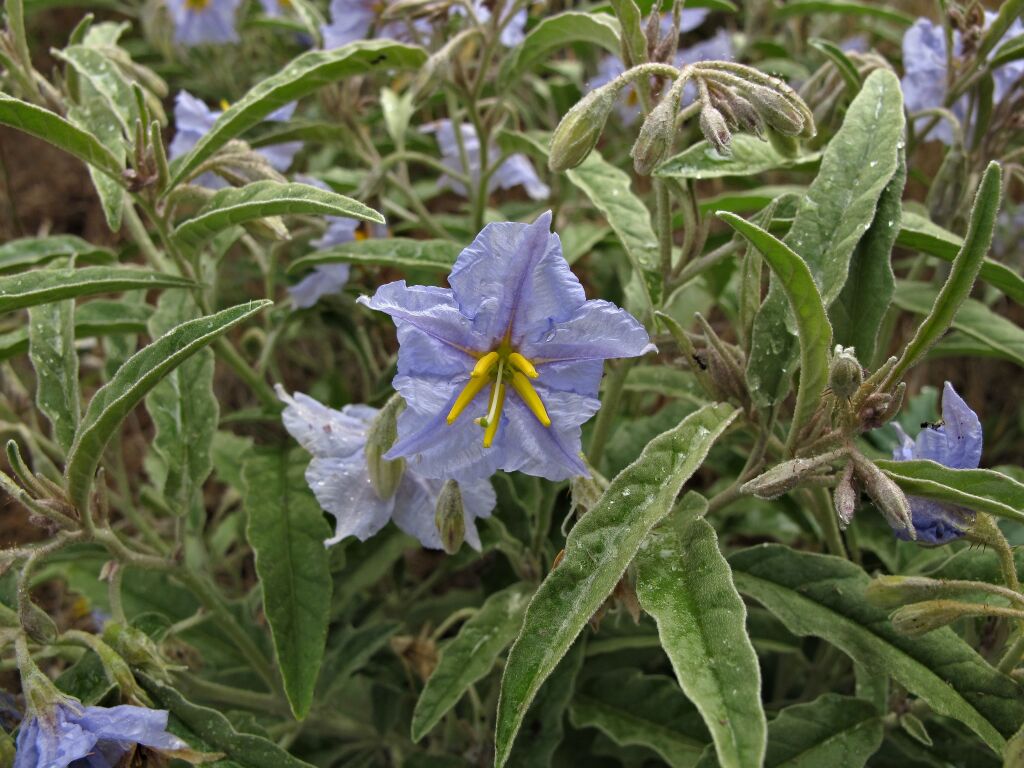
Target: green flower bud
787 146
776 110
578 132
450 517
656 136
385 475
136 647
845 374
783 477
888 497
844 497
37 623
894 591
715 129
921 618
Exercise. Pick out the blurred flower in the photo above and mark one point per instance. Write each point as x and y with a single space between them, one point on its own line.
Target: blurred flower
275 8
71 734
956 443
203 21
324 280
515 318
352 20
925 70
340 480
193 120
513 30
517 170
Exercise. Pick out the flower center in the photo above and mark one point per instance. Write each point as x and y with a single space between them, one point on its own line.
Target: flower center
499 368
197 5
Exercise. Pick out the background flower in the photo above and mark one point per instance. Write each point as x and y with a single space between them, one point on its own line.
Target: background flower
203 21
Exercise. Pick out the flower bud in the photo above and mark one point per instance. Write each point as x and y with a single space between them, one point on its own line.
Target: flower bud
385 475
715 129
135 647
888 497
656 136
787 146
37 623
776 110
844 497
921 618
746 116
894 591
450 517
578 132
783 477
845 374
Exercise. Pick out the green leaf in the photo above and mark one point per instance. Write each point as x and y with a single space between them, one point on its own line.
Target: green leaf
1011 50
95 318
133 380
844 66
634 709
106 80
97 116
750 156
51 333
27 252
814 331
608 188
237 205
824 596
962 275
858 311
634 40
394 252
286 529
208 730
470 655
1009 11
40 286
597 552
304 75
920 234
749 200
833 215
349 651
554 32
832 730
54 129
683 581
814 7
185 413
983 490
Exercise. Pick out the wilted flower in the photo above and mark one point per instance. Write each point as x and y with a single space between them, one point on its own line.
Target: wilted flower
516 171
956 443
193 120
203 21
340 480
72 734
515 319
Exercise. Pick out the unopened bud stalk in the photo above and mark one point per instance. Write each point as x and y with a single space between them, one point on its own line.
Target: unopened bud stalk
450 517
578 132
385 475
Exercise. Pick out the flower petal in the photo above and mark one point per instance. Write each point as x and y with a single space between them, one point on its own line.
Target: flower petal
936 523
59 742
323 431
962 429
324 280
134 725
598 330
343 488
431 310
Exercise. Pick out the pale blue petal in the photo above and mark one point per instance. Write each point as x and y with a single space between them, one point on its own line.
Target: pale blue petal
350 21
342 487
127 726
280 156
55 741
689 21
431 310
323 431
905 450
516 171
549 452
213 24
422 355
192 120
324 280
598 330
339 230
580 376
962 430
936 523
416 505
513 34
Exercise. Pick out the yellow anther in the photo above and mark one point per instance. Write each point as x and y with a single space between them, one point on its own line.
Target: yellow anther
471 390
484 364
224 103
524 365
529 395
494 417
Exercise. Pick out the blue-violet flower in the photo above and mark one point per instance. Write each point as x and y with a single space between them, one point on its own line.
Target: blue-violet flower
203 21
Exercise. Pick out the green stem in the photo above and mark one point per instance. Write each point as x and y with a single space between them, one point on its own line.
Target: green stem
663 216
609 410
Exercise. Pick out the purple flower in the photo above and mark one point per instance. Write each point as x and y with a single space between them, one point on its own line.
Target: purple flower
275 8
340 480
515 171
513 28
203 21
502 369
324 280
351 20
956 444
71 734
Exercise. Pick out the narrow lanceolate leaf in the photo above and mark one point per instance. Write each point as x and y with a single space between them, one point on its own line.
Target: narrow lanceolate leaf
396 252
857 313
983 490
608 188
831 730
304 75
34 251
44 285
961 275
237 205
470 655
749 157
846 68
685 583
96 115
50 127
823 596
597 552
51 333
286 530
837 210
559 31
133 380
850 7
813 329
100 317
184 412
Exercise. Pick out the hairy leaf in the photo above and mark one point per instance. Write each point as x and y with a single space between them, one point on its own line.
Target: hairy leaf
40 286
983 490
558 31
27 252
749 156
51 333
395 252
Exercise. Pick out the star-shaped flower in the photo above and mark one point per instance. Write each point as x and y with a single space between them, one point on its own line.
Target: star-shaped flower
203 21
501 370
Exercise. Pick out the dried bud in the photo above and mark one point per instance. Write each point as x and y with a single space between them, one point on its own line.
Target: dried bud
385 475
844 497
845 374
922 618
715 129
578 132
776 110
784 477
888 497
656 136
450 517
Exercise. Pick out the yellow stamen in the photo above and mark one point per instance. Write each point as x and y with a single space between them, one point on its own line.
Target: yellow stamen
522 385
494 417
471 390
224 103
196 5
484 364
524 365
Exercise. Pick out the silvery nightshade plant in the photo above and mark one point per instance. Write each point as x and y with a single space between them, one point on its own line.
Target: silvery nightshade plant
203 21
501 370
339 477
956 443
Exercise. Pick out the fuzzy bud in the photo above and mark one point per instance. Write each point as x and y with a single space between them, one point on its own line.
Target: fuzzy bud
921 618
894 591
656 136
845 374
776 110
385 475
844 497
450 517
746 116
715 129
888 497
135 647
578 132
782 478
37 623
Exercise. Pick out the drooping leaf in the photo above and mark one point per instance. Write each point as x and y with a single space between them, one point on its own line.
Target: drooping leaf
749 156
470 655
395 252
850 7
40 286
685 583
25 252
554 32
51 333
597 552
133 380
